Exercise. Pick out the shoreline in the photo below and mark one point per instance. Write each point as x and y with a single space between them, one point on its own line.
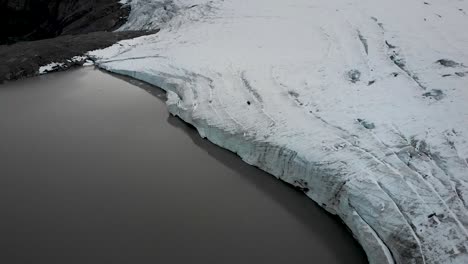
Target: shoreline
24 59
375 249
256 216
321 118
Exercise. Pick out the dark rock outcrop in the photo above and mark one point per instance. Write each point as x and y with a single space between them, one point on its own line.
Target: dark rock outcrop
25 20
34 33
23 59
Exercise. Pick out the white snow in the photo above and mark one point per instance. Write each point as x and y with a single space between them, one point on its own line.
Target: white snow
79 58
361 103
88 63
53 66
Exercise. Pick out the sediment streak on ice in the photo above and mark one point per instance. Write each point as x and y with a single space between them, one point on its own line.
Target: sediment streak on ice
362 105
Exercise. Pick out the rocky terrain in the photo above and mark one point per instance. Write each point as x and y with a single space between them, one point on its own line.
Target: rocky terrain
24 20
34 33
24 59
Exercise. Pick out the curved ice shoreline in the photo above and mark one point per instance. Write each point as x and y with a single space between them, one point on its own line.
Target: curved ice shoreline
400 186
266 156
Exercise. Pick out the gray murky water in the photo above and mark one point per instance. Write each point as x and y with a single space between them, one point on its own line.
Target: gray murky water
94 170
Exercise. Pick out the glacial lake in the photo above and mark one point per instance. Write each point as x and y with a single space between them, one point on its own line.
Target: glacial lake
93 169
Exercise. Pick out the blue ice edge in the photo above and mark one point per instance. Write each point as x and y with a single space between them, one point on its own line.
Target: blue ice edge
279 161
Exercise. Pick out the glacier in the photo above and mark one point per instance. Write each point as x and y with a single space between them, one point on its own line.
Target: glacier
360 104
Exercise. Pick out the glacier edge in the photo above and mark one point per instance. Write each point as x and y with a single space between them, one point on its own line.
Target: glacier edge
249 151
344 101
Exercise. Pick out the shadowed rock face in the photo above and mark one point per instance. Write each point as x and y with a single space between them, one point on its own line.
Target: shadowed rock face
23 59
34 33
24 20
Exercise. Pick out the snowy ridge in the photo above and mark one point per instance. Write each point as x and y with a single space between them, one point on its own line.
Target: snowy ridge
361 105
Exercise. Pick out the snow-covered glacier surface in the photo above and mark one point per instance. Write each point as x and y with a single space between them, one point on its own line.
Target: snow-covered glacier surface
361 104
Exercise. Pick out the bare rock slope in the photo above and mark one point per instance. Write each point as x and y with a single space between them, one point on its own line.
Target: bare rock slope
24 20
35 33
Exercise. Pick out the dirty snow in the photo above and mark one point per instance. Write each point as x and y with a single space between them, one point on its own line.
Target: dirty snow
53 66
57 66
360 104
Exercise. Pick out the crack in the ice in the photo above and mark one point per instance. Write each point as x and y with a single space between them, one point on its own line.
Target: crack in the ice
399 61
459 194
130 58
437 161
425 150
396 58
258 98
378 23
408 221
454 147
384 163
364 42
250 88
374 231
340 188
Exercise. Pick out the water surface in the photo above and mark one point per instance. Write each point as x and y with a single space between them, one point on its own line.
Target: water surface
93 169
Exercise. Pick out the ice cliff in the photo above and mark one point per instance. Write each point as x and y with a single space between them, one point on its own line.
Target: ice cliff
361 104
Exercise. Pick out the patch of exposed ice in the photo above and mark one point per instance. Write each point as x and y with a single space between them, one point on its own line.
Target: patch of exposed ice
88 63
349 101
